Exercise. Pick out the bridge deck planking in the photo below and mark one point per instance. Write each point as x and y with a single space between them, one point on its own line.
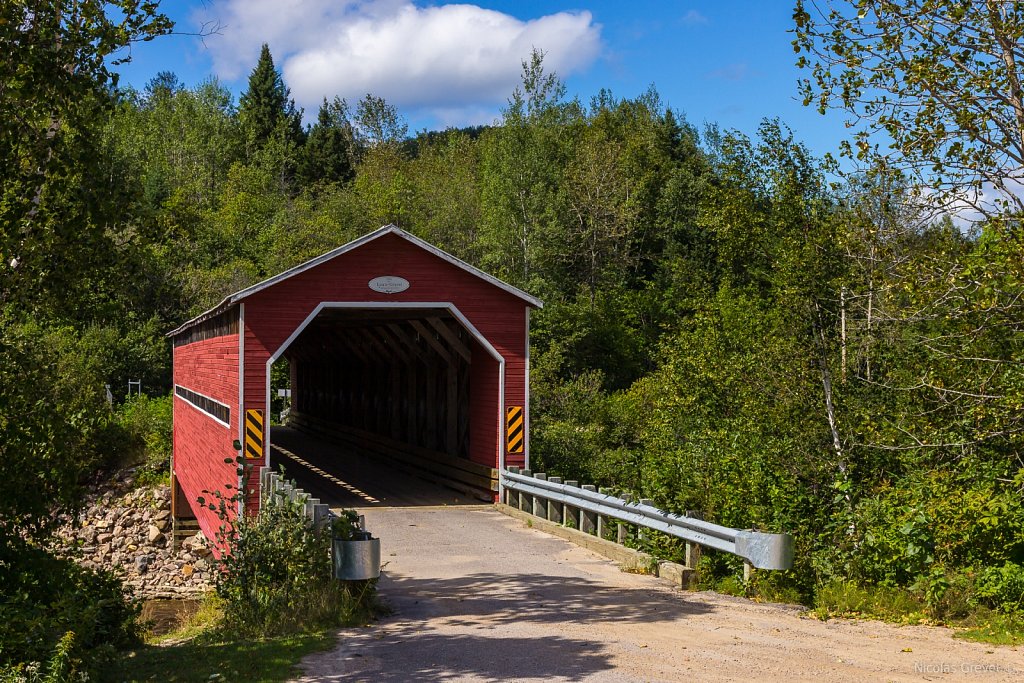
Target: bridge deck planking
351 480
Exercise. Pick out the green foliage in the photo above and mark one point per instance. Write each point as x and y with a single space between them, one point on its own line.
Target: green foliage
275 576
62 616
939 597
55 426
58 204
60 668
345 527
265 109
1002 587
915 71
213 657
147 422
849 599
329 153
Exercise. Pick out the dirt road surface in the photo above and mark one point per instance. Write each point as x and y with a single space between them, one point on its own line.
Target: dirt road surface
478 596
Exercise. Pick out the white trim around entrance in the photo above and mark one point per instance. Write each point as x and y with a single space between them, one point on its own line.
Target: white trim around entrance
368 305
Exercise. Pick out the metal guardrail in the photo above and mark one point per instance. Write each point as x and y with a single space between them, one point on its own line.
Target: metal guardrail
763 551
273 487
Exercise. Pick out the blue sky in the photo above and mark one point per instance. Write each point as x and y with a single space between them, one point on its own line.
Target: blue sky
730 63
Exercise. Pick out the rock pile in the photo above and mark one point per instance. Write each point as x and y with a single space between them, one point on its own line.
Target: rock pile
130 534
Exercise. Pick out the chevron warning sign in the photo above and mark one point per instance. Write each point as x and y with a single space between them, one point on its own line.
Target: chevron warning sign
254 433
514 427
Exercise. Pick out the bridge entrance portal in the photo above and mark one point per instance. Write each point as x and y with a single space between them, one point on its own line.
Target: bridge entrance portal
395 349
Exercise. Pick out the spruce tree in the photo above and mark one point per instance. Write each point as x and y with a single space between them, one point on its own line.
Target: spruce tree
328 154
266 105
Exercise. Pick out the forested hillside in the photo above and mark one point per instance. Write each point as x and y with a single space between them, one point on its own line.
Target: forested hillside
727 328
730 326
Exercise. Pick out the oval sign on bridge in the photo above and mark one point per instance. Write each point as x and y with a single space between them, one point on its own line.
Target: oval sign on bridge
389 284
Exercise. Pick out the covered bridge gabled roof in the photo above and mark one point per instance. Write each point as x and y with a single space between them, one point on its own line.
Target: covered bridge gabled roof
233 299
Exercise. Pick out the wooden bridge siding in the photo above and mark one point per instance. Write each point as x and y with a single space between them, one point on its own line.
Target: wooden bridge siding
272 314
201 444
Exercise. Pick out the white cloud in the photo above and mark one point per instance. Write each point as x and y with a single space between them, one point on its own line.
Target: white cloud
693 17
456 60
738 71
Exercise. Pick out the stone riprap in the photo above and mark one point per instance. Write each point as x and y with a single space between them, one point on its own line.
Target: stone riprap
128 531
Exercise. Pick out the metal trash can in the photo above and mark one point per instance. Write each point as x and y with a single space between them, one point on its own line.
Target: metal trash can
356 560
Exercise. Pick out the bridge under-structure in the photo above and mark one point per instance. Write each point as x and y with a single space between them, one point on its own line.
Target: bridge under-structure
394 347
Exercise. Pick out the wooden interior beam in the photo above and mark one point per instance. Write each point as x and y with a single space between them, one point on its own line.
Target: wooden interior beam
429 336
452 338
406 339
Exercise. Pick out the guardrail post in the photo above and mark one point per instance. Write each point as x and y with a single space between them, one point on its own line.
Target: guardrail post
523 499
692 550
321 513
539 508
748 571
588 520
555 508
602 521
508 493
271 485
640 530
570 513
620 528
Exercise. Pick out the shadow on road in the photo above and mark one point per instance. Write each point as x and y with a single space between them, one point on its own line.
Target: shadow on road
494 627
537 598
446 657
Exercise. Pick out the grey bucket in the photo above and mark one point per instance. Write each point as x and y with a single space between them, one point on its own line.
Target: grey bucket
356 560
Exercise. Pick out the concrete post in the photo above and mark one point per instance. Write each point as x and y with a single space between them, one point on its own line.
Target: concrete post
588 520
555 508
620 528
539 507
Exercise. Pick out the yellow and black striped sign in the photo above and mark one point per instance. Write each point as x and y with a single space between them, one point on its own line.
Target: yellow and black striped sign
514 428
254 433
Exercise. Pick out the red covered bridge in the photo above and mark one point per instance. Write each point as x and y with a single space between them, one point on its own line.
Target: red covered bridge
393 346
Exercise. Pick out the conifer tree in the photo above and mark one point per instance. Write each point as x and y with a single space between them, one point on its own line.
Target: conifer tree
328 154
266 105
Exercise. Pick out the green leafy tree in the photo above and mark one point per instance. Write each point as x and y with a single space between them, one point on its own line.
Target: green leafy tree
56 199
379 123
941 79
523 164
448 213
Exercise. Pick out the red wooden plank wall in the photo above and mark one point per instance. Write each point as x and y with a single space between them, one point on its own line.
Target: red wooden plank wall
201 444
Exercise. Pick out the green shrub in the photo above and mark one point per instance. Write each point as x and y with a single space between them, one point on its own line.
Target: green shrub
1002 588
147 423
55 611
275 577
847 599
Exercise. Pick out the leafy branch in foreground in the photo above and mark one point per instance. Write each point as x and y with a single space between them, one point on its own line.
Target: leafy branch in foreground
942 80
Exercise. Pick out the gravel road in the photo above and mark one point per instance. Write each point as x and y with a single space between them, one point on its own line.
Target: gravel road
477 596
